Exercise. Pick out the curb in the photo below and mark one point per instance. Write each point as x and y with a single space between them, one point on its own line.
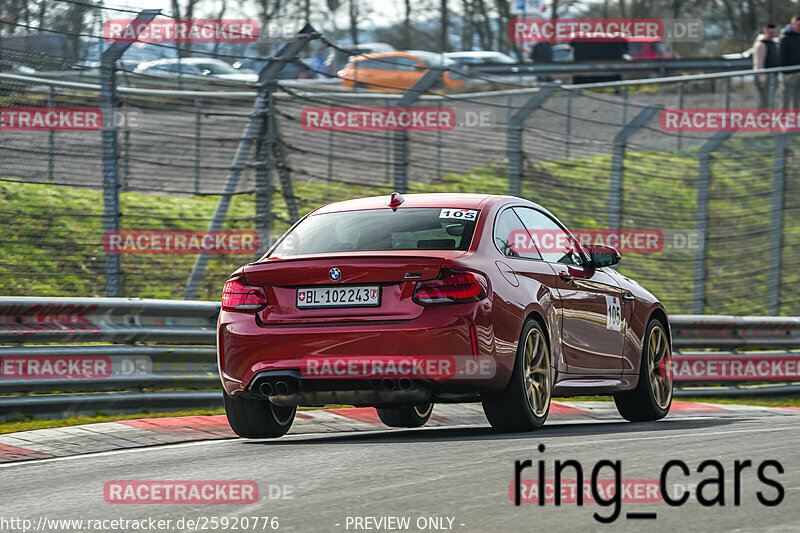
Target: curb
108 436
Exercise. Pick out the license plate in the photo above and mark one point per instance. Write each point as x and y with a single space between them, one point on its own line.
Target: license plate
309 297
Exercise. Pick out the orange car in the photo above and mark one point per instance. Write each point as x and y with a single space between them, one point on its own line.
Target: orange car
396 71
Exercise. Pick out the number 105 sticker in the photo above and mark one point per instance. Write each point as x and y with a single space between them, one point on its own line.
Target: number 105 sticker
613 313
459 214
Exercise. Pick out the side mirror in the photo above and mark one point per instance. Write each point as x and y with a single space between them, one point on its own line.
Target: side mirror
603 256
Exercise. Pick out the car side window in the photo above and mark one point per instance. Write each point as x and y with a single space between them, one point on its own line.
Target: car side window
554 243
509 237
404 63
388 63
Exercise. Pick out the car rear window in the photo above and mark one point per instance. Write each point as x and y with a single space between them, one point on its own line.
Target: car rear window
418 228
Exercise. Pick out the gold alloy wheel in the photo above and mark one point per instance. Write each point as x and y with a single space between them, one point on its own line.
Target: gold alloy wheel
658 358
537 372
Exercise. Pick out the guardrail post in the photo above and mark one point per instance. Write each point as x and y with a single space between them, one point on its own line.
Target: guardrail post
108 102
776 222
701 217
618 164
401 137
253 131
514 136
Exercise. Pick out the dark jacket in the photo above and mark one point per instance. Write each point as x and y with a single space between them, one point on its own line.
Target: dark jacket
771 53
542 53
790 47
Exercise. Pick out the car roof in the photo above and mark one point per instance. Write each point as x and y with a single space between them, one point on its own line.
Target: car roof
443 200
380 55
183 60
475 53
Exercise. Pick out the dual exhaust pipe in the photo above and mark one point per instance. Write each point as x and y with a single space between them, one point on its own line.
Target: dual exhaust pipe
284 387
403 384
277 388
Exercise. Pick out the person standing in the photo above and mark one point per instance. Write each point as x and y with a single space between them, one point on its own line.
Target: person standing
765 55
790 56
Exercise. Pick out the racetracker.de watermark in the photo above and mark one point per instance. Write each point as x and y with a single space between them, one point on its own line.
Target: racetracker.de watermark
180 492
378 119
38 367
585 29
65 119
554 241
180 242
182 31
435 367
533 30
732 368
632 491
50 119
746 120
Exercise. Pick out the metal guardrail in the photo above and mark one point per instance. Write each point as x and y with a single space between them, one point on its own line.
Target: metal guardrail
663 67
729 332
90 79
65 320
169 344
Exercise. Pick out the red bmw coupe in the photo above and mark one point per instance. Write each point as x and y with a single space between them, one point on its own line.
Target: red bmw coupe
399 303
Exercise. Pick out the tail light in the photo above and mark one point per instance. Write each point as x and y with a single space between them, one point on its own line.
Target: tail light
345 73
451 287
236 296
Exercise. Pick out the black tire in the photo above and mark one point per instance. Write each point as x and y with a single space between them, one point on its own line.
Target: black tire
652 397
515 409
253 418
407 416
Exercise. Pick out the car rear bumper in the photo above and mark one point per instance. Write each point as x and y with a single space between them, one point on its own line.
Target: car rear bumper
321 354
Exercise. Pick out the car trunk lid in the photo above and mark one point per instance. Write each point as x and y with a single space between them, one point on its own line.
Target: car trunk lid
395 276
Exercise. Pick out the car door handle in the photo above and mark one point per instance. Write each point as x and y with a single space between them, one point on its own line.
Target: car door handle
566 278
628 295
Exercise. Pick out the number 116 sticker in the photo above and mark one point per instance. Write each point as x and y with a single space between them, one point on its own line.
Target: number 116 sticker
459 214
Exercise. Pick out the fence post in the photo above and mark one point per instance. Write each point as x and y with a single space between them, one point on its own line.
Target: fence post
265 163
253 131
617 164
329 169
680 106
439 146
514 136
776 222
568 125
198 117
727 93
51 140
401 136
773 85
126 149
108 102
701 217
282 166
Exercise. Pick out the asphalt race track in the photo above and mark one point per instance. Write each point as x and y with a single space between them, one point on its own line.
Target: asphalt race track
454 476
